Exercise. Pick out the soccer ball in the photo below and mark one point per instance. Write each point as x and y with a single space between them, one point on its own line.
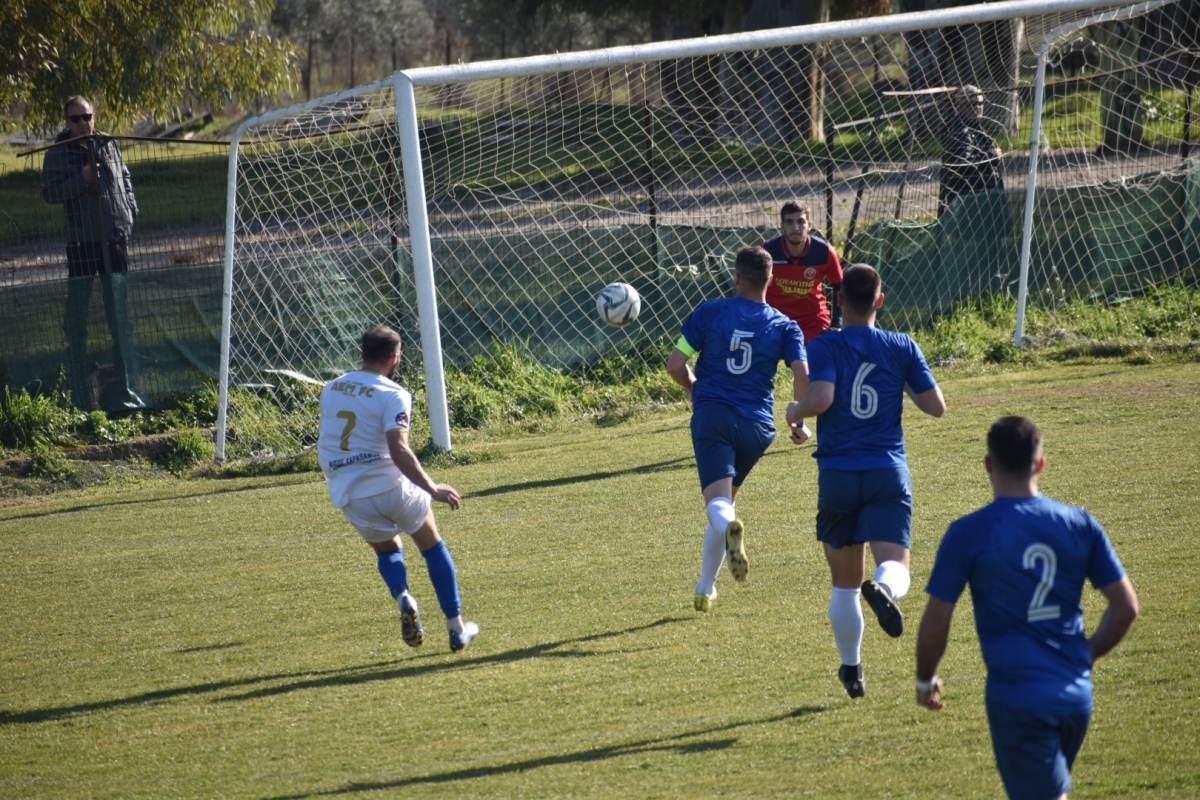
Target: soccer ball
619 304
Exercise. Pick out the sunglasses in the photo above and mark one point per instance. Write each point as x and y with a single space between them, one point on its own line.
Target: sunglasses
80 117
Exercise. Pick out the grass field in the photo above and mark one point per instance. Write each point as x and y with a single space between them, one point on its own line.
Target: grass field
232 638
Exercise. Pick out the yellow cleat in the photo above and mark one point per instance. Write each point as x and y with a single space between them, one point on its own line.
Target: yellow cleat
735 550
704 602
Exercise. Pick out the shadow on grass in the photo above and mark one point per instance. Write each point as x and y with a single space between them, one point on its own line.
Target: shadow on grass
546 650
367 673
644 469
678 744
49 512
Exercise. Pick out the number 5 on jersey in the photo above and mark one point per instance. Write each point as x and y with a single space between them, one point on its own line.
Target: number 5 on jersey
743 349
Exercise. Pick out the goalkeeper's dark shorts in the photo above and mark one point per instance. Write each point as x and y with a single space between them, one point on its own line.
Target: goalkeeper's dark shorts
873 505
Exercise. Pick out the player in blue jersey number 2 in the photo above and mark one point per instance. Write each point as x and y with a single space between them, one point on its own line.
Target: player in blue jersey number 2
1026 558
739 342
858 377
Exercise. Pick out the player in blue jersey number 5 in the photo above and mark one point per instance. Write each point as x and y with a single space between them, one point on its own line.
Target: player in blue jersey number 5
739 342
858 377
1026 558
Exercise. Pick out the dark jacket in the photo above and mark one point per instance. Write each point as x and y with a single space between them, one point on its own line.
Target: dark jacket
970 164
101 212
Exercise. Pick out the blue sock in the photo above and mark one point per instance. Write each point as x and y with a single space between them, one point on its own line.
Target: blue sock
391 568
444 577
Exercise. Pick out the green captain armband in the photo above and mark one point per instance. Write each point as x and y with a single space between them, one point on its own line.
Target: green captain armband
685 348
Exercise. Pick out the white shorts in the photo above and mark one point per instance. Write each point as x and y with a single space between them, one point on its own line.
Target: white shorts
378 518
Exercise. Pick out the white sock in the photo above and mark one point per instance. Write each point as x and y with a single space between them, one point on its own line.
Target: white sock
895 576
710 564
720 513
454 625
845 615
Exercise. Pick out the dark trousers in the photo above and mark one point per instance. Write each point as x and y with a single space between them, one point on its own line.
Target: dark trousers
85 261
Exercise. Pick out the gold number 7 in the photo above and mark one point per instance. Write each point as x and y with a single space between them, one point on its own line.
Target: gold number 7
351 421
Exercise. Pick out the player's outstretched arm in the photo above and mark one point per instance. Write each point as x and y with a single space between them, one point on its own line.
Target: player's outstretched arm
410 466
1118 617
931 646
930 401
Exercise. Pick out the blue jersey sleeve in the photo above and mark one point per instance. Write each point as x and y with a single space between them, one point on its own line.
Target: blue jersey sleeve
918 375
793 346
1103 567
952 566
693 331
820 361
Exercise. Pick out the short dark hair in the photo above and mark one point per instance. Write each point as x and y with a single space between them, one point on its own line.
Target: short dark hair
1015 444
379 344
76 100
792 207
860 288
754 265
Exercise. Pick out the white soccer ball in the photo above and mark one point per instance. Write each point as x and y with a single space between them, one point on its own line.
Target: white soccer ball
619 304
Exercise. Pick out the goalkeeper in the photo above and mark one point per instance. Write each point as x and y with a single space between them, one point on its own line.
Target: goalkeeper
800 263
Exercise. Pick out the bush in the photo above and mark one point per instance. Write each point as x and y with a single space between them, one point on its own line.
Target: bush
190 448
28 420
50 463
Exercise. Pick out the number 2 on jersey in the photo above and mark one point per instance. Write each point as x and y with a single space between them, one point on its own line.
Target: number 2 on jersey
1042 556
351 421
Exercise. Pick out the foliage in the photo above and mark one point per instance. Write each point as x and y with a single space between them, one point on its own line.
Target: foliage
1164 320
50 463
28 420
190 448
133 58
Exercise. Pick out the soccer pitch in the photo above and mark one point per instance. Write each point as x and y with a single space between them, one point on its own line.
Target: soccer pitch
232 638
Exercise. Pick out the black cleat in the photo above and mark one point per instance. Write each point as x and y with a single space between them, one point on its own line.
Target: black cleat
885 608
852 679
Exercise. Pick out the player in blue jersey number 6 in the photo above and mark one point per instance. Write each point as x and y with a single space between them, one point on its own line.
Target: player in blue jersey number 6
739 342
376 480
1026 558
858 378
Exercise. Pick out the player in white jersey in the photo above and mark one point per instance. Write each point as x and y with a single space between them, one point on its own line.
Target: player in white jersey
379 484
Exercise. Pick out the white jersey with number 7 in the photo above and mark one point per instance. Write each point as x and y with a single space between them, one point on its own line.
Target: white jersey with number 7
357 411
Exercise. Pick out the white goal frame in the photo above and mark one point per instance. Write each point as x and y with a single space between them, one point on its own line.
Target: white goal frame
404 83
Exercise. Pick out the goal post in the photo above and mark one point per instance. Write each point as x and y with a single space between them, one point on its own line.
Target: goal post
478 208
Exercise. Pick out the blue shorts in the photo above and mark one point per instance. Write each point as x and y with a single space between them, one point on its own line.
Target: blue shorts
1035 751
874 505
727 445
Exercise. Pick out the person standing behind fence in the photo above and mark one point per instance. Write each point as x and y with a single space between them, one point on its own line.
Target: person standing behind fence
85 173
971 160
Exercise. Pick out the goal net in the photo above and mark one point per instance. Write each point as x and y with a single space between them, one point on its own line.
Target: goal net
544 179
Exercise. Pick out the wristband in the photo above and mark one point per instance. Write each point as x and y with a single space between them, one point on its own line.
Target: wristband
927 686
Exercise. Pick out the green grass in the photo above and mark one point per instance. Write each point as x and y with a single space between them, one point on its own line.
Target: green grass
232 638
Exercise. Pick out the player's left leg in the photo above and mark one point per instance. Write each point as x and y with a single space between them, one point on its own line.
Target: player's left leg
837 523
444 576
886 521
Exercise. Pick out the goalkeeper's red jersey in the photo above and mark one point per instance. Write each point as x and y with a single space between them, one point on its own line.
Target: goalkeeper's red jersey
796 287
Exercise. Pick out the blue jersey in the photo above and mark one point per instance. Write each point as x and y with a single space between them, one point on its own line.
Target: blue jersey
868 368
740 343
1025 560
